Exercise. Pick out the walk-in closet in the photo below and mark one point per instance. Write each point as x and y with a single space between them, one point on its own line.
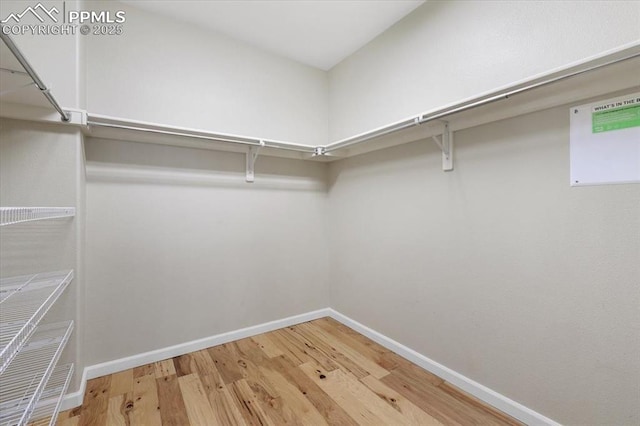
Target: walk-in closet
354 212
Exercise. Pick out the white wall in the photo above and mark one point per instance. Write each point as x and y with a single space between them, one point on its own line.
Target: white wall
164 71
179 247
41 165
498 270
446 51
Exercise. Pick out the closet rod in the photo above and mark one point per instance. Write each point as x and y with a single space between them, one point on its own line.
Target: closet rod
34 75
471 104
212 137
392 128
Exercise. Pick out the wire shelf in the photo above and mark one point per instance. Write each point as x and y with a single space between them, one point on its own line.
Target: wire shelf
24 301
24 381
11 215
46 412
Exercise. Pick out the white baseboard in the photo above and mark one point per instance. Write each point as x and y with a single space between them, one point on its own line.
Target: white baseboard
472 387
74 399
483 393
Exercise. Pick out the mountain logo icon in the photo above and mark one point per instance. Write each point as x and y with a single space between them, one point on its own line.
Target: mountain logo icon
38 11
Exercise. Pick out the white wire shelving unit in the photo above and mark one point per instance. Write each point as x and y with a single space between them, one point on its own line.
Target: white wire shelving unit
25 380
46 412
13 215
32 385
24 301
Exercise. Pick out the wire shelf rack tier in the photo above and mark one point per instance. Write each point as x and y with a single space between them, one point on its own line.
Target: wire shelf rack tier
24 301
46 412
12 215
24 381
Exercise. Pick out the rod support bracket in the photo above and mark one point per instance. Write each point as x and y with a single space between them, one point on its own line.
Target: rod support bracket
319 151
252 156
445 143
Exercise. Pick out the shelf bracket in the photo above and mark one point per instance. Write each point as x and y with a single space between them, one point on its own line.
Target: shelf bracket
252 156
445 143
319 151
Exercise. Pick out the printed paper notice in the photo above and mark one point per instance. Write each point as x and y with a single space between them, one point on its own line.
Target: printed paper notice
621 114
605 141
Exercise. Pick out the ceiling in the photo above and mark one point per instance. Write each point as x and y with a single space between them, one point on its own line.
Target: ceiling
319 33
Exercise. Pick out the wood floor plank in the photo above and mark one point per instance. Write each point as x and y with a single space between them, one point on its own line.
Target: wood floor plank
413 373
64 415
316 351
120 410
268 346
196 401
425 396
146 405
164 368
339 359
367 347
249 404
250 349
330 323
198 362
357 357
302 410
242 353
143 370
96 402
489 414
290 346
121 383
74 412
224 407
267 395
436 402
172 409
388 359
213 377
71 421
184 365
226 364
362 404
204 364
330 410
410 411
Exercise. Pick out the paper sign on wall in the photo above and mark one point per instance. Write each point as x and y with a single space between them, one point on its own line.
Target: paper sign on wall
605 141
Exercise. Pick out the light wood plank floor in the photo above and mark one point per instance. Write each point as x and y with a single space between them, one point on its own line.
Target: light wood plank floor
317 373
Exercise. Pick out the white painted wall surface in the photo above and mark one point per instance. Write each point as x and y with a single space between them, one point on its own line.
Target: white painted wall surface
40 166
447 51
164 71
180 248
498 270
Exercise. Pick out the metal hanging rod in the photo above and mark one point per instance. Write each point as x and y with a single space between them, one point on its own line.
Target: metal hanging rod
468 105
141 127
34 76
396 127
485 100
